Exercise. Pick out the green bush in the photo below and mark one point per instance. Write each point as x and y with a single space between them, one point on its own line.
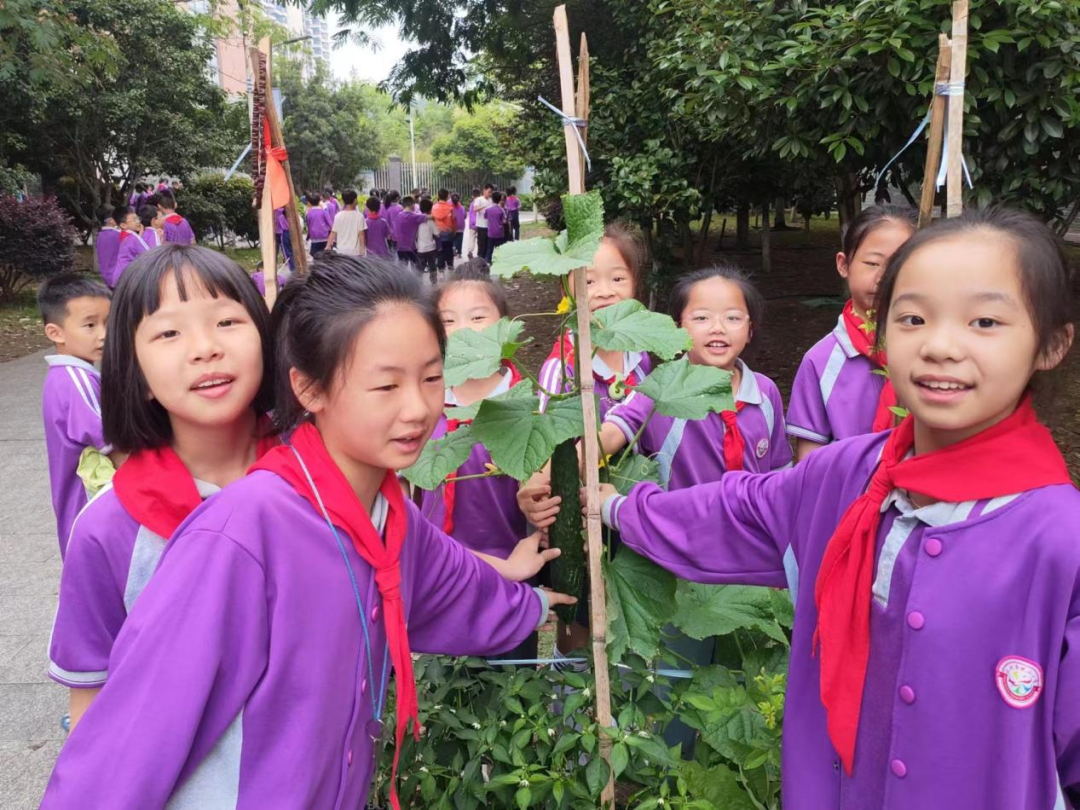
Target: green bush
37 240
215 207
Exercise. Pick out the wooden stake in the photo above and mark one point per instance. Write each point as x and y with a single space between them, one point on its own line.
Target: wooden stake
590 442
937 128
957 73
266 208
581 108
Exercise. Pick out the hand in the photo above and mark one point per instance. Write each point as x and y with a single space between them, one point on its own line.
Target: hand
606 491
528 557
556 598
535 501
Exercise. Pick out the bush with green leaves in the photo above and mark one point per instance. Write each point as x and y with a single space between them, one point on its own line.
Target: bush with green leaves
528 737
216 207
37 240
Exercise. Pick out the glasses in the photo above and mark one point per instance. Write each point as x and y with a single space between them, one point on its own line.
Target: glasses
731 320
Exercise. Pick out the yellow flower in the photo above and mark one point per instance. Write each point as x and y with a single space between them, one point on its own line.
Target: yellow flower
564 306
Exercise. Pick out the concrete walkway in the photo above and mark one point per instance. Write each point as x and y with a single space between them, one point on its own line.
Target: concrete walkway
30 704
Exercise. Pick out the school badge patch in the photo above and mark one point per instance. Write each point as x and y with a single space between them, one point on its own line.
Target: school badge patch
1019 680
762 448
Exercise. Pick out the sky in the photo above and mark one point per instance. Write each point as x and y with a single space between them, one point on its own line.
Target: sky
367 64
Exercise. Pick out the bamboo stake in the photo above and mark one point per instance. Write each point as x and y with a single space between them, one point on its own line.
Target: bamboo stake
266 209
937 127
581 109
590 442
957 73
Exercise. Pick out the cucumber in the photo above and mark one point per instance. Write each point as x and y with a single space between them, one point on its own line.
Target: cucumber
568 572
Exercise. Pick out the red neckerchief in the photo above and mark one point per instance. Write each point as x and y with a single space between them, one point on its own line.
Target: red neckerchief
864 341
565 347
450 487
734 444
157 490
347 513
174 219
124 235
1015 455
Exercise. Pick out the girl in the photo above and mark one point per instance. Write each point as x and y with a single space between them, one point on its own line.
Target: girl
935 569
840 389
282 604
377 229
183 385
513 215
459 223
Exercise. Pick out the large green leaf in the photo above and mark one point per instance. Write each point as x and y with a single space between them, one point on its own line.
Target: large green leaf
687 391
718 785
474 355
584 215
440 458
571 249
635 469
640 601
630 326
716 610
463 413
520 438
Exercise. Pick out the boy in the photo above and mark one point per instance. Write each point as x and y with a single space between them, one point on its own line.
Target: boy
443 213
406 223
132 243
318 224
427 236
377 229
107 244
348 231
481 204
177 229
496 222
75 311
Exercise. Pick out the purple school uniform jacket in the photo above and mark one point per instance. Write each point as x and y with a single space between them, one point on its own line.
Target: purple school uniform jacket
496 218
406 224
71 409
242 677
691 451
551 378
486 514
378 231
131 247
971 696
459 217
107 246
332 208
319 224
109 561
836 392
260 281
178 230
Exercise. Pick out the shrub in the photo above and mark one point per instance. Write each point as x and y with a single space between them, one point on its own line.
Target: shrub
37 240
214 207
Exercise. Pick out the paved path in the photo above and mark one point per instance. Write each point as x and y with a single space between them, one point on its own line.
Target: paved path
30 704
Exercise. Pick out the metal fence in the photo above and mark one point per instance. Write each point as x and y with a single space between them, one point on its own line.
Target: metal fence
398 174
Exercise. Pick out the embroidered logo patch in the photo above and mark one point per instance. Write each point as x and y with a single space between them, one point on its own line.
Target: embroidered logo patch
1019 680
762 448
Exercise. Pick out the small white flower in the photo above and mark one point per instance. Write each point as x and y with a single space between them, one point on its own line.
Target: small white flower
476 725
423 769
650 679
586 693
644 734
436 707
453 711
502 724
660 802
551 732
523 783
554 696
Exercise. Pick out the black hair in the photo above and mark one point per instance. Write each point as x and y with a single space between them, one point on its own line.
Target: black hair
870 219
120 213
407 201
56 291
426 205
318 317
162 180
313 198
373 204
374 192
166 200
487 186
348 196
1045 278
104 214
146 215
512 190
496 197
139 188
444 194
455 198
629 247
476 191
131 419
475 271
755 301
329 191
392 197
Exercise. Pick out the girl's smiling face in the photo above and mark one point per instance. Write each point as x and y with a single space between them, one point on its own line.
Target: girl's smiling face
961 343
467 304
863 270
609 279
717 318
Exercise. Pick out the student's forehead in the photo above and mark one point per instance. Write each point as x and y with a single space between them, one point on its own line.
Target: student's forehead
715 292
87 305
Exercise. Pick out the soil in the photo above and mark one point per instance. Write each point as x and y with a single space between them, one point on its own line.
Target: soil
804 296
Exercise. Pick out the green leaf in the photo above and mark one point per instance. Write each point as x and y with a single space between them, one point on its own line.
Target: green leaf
634 470
630 326
466 413
519 438
440 458
687 391
1052 127
584 215
718 785
620 758
523 798
596 775
717 610
641 600
472 355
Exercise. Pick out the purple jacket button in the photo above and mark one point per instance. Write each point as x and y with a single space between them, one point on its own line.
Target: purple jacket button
363 686
375 613
907 694
916 620
933 547
348 757
899 768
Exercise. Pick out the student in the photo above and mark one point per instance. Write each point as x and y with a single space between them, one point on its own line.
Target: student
75 311
258 278
459 223
282 240
469 242
445 222
496 222
481 204
163 184
347 236
153 224
177 230
934 567
132 241
328 577
107 244
184 385
427 240
377 230
840 389
406 224
513 213
389 211
318 224
330 202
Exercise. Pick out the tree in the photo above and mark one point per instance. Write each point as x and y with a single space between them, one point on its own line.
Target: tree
154 109
477 144
36 241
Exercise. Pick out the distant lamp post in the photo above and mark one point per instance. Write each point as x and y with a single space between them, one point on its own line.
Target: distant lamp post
412 140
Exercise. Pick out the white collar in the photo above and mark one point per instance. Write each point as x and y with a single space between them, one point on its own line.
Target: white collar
749 390
450 398
69 360
205 488
936 515
631 363
844 339
379 511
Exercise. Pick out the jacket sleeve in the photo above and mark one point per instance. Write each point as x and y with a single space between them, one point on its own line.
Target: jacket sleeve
1067 708
807 418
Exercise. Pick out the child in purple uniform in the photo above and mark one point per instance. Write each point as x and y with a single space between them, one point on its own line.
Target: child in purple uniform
107 245
177 229
331 202
934 567
839 390
496 224
319 224
389 211
459 222
513 214
132 241
312 576
75 311
377 229
406 224
184 386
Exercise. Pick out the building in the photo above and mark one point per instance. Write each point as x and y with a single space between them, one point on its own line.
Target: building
302 23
